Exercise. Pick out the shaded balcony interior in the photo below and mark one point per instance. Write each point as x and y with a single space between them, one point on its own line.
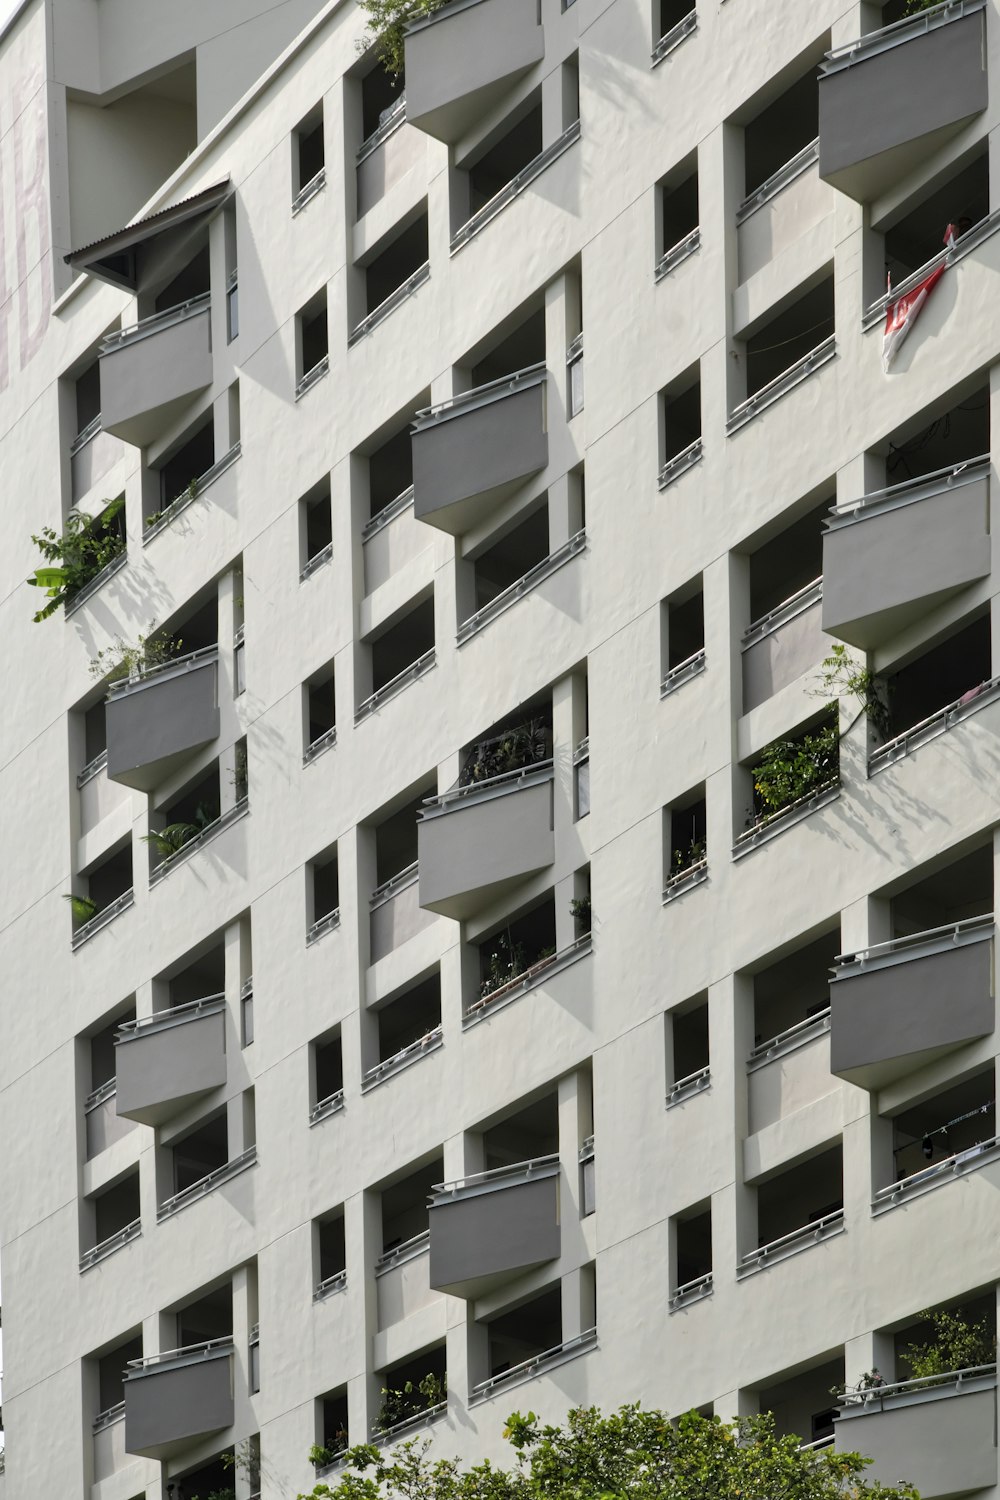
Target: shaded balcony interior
308 150
685 827
102 1124
794 989
390 468
530 1132
507 150
231 262
107 878
327 1066
520 344
789 335
953 893
109 1370
687 1039
381 93
817 742
395 259
409 1017
666 15
402 1404
519 740
331 1421
530 1329
201 1150
800 1195
189 812
193 280
101 1049
802 1404
404 1204
211 1479
780 131
677 200
953 1120
396 838
783 564
680 417
958 432
331 1246
682 621
320 700
191 458
209 1316
962 200
194 977
95 729
315 523
946 673
511 553
87 396
400 644
692 1244
108 1212
517 945
323 886
312 339
977 1313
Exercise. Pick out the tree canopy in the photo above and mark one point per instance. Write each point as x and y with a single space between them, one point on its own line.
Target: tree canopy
632 1452
387 22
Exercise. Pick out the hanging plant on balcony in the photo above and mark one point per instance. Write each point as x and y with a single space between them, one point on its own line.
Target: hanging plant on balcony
83 908
687 858
791 769
841 676
523 745
412 1399
86 547
121 660
387 23
171 840
958 1342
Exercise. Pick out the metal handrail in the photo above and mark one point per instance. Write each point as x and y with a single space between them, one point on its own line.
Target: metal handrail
954 930
388 513
85 435
311 376
491 783
318 745
155 322
415 1245
803 599
110 1245
582 751
673 38
484 1387
899 31
143 673
100 1095
781 814
819 1022
785 381
102 918
522 586
680 463
330 1284
77 600
385 1434
515 186
399 881
309 190
967 469
898 746
587 1149
529 978
322 925
205 1184
699 1286
316 561
530 375
395 684
494 1175
246 989
184 1012
807 1231
919 1383
405 1054
690 1083
957 251
389 304
193 492
109 1417
818 1443
223 821
678 253
938 1169
574 349
92 768
328 1106
389 122
684 670
772 186
676 882
186 1351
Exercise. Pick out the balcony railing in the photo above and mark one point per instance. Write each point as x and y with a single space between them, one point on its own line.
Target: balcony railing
110 1245
146 326
515 187
690 667
964 244
680 463
524 585
102 918
673 257
403 501
389 121
537 1166
398 1429
941 1171
316 562
915 945
557 1355
684 880
879 1394
110 1417
402 1059
207 1183
310 378
176 1015
207 834
306 194
175 667
92 768
319 744
409 1249
100 1095
537 770
790 1039
322 926
395 299
772 186
685 27
330 1284
797 1239
691 1291
324 1108
794 605
97 582
688 1086
935 724
186 1352
392 887
898 33
545 968
781 384
193 492
85 435
395 685
481 395
911 490
770 824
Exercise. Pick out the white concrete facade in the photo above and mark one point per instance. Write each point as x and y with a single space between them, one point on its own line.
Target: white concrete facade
633 522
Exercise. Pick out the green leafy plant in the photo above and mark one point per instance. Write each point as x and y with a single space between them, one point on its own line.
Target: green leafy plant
686 858
790 769
957 1342
153 517
387 23
524 745
121 660
85 548
841 676
320 1456
82 907
579 910
505 964
170 840
410 1400
913 7
871 1380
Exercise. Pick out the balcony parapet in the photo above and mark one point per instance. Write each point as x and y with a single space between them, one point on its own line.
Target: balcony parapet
895 496
404 1058
97 582
389 122
895 1393
92 768
534 975
772 824
680 463
325 741
312 377
939 1173
193 492
324 1108
685 27
685 671
164 1020
108 1247
782 384
794 605
789 1040
691 1292
508 596
316 562
418 1244
688 1086
330 1284
322 926
773 185
895 35
548 1359
678 253
928 729
211 830
964 244
382 1435
497 1177
395 299
515 187
481 395
207 1184
685 880
791 1243
395 685
146 326
101 920
307 193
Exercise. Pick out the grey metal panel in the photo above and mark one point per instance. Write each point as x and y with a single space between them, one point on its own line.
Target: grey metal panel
887 1021
167 1405
161 1069
480 1240
154 725
147 380
881 114
458 66
882 572
472 852
397 920
771 663
477 456
944 1446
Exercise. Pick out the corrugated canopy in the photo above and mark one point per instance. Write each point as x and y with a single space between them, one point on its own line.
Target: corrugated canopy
116 257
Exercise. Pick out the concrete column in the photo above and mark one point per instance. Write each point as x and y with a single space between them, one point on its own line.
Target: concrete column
245 1315
363 1236
731 1025
576 1115
995 439
868 1352
738 1403
564 720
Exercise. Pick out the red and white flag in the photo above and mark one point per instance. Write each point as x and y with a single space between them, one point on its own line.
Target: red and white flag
901 315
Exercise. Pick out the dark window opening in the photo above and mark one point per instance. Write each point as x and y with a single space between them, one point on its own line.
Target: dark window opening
960 433
193 281
800 1196
204 976
208 1317
781 130
116 1208
402 644
188 464
498 166
203 1150
310 151
396 841
317 520
680 419
685 626
951 671
514 555
322 704
396 263
962 202
111 878
694 1244
409 1018
789 562
380 95
671 13
390 470
794 988
332 1246
110 1373
195 808
315 337
679 210
88 396
802 1406
516 947
530 1330
689 1034
413 1386
404 1205
789 336
95 731
526 1135
325 885
333 1424
976 1315
328 1067
518 350
961 890
523 738
686 826
952 1121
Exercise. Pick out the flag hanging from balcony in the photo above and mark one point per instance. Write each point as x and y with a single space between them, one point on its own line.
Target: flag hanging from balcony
901 314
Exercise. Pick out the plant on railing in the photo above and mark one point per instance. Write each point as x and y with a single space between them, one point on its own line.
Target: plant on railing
685 859
120 660
171 840
153 517
914 7
871 1380
958 1342
412 1399
841 676
320 1456
82 908
507 962
579 910
86 547
524 745
387 23
790 769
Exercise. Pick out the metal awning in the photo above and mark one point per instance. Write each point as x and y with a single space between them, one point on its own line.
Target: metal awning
117 257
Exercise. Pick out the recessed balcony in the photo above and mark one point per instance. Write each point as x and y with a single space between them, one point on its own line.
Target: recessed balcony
890 99
150 371
173 1398
938 1432
899 1005
490 1227
890 556
169 1059
471 451
460 61
157 719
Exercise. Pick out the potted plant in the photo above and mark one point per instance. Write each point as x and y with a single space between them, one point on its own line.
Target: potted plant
86 547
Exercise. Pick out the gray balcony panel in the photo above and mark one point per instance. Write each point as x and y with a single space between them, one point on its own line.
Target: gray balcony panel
476 850
943 1440
460 63
105 1127
784 654
883 571
480 1241
168 1405
889 1020
396 920
888 110
148 379
466 460
380 171
155 724
162 1068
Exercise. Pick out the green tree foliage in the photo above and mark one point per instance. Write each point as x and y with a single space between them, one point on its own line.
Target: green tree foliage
957 1342
632 1452
387 22
790 769
86 547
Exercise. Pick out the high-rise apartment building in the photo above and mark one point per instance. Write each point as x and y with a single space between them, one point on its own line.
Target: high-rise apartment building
476 480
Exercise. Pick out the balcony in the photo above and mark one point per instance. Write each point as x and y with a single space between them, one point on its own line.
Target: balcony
401 1281
478 840
460 61
783 645
939 1432
150 371
173 1398
890 556
102 1124
901 1004
493 1226
170 1059
473 450
156 720
890 99
396 913
780 210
